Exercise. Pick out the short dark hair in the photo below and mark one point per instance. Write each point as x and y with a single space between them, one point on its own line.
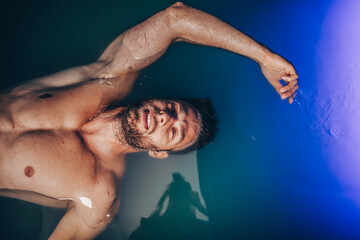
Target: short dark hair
209 122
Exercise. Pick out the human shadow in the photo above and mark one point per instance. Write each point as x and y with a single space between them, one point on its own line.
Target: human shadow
179 219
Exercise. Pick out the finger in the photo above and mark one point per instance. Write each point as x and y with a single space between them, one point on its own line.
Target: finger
291 99
290 92
290 78
277 85
288 87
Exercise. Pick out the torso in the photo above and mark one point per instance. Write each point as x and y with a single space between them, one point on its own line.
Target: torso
42 149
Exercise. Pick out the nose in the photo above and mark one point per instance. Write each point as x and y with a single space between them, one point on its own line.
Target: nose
164 118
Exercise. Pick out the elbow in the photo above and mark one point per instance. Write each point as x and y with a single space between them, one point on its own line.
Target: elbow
175 13
178 4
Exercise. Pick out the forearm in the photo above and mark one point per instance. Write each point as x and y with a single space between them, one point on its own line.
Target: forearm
195 26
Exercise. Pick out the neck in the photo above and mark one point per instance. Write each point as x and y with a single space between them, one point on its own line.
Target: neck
103 130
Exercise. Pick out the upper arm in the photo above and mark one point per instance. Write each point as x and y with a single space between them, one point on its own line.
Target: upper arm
120 63
73 226
130 52
141 45
85 220
92 210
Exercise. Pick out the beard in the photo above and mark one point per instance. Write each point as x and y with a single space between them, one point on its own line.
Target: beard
127 129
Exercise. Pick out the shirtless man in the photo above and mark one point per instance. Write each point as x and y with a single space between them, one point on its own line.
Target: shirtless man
61 146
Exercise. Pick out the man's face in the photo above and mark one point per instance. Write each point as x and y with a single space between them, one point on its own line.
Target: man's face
160 125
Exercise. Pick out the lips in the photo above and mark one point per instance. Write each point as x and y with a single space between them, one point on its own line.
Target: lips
146 121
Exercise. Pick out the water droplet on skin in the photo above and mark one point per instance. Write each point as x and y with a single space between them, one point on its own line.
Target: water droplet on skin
109 218
86 202
104 82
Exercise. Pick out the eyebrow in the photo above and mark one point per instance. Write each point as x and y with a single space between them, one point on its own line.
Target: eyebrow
182 108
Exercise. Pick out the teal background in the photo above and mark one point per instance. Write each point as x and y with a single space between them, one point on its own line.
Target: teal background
276 171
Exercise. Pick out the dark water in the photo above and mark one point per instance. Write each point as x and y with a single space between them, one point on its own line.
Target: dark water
276 171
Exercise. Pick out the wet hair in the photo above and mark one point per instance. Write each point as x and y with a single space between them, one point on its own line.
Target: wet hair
208 124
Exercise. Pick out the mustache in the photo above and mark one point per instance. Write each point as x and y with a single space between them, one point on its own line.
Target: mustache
128 131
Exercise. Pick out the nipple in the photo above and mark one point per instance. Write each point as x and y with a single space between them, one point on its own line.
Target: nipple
29 171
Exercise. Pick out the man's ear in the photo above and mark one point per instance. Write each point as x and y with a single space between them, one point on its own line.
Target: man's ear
162 154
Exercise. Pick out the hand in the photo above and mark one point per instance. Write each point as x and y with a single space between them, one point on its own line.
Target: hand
276 68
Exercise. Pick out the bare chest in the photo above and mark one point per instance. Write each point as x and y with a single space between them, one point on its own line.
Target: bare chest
54 163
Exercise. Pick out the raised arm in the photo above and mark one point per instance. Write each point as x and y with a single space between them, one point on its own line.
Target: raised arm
143 44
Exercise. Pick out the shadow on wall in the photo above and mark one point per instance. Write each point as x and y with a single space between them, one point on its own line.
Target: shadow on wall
179 219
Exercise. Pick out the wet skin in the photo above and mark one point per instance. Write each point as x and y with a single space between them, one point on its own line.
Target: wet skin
165 125
80 162
58 145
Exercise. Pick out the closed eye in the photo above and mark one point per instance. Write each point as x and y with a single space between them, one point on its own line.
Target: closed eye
173 133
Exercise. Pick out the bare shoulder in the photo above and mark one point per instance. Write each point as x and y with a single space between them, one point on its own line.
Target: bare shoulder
99 204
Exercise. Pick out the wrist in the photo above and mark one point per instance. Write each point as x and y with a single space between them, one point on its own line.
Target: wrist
263 55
